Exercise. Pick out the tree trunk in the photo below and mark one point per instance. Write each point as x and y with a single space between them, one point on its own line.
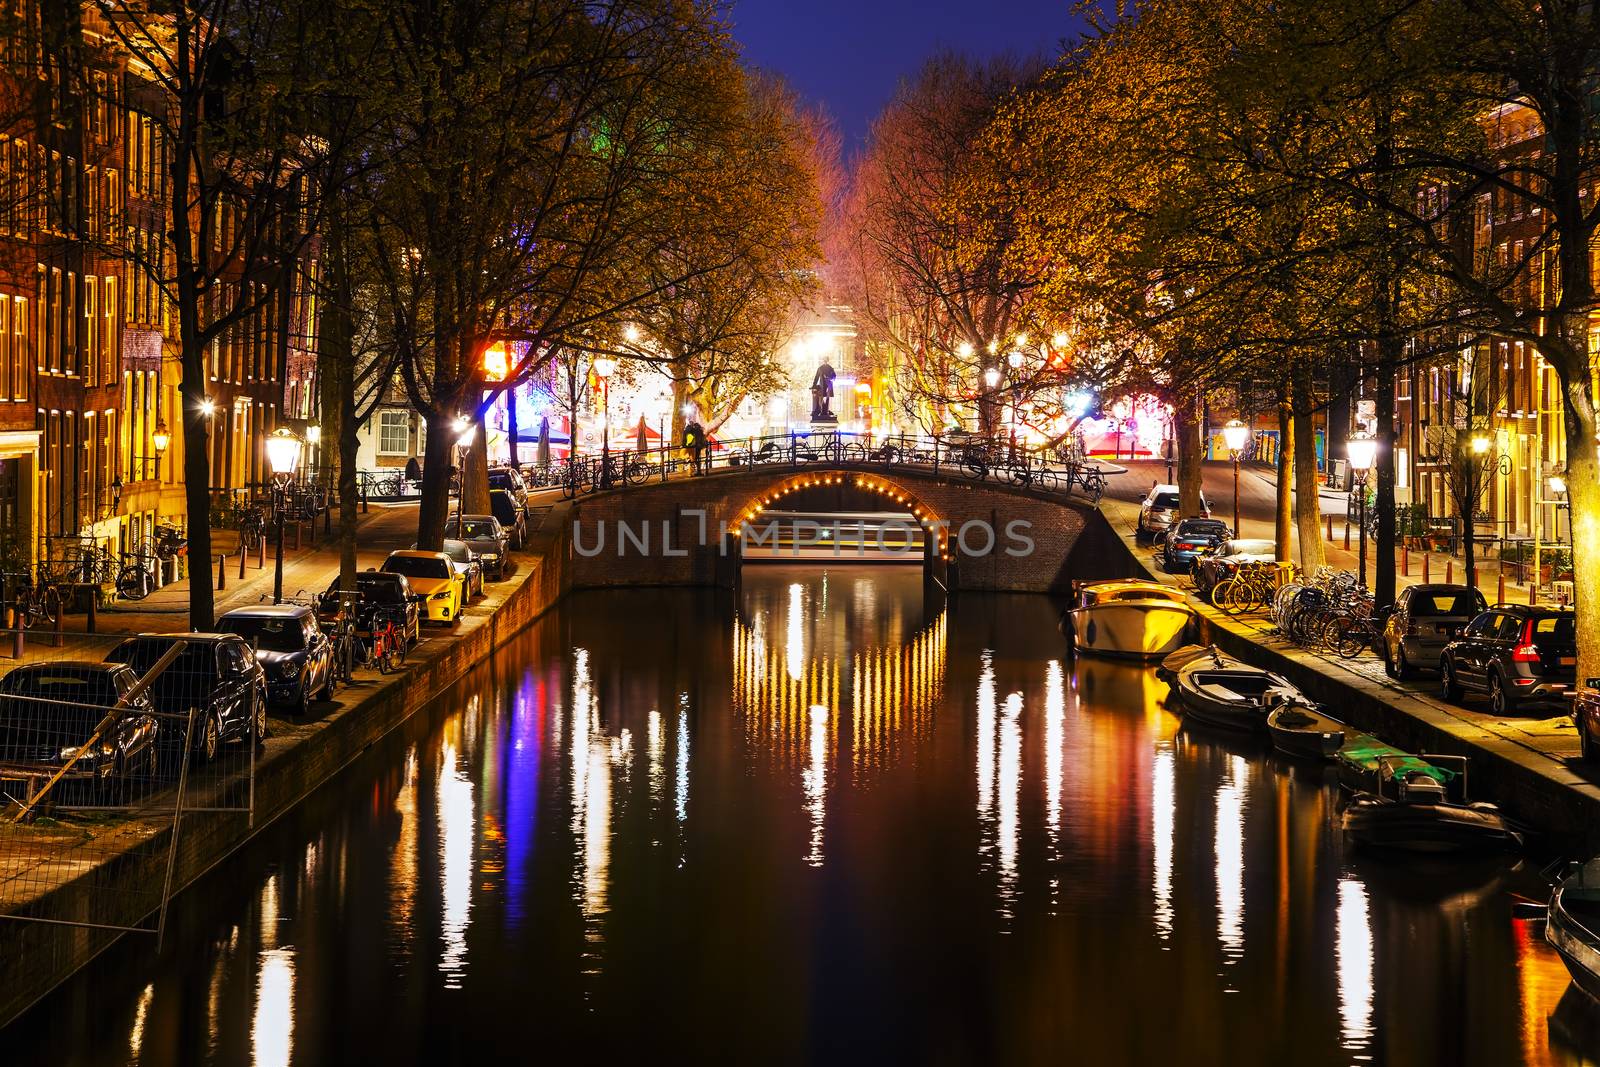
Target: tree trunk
1186 439
1383 552
1283 531
1583 496
475 475
197 480
339 399
435 505
1308 502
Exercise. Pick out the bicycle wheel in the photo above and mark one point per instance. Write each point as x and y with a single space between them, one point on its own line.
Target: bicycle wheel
1351 638
1222 595
974 468
133 582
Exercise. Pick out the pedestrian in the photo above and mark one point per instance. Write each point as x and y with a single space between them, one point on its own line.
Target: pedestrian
694 436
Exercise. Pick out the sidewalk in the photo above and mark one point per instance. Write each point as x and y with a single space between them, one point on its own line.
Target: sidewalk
309 570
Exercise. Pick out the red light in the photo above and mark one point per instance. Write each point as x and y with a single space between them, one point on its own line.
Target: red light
1527 652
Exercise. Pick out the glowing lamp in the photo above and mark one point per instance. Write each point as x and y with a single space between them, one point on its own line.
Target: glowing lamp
208 407
604 365
160 439
1558 484
496 362
283 453
991 377
464 429
1362 451
1236 434
1015 359
630 333
964 349
1480 444
313 435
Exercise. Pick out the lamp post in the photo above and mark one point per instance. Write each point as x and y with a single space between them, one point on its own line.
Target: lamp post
283 456
464 429
1361 449
603 366
1236 435
1014 360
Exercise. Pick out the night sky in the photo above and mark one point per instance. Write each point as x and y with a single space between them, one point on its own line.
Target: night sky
849 54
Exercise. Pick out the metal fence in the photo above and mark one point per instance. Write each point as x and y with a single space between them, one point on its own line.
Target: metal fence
109 755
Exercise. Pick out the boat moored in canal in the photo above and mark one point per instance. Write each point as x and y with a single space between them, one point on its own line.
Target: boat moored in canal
1300 729
1127 618
1420 806
1573 926
1216 690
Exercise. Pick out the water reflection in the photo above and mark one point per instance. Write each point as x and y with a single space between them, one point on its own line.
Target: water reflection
915 833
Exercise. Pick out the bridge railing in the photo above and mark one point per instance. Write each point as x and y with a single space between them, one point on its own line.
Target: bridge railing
952 455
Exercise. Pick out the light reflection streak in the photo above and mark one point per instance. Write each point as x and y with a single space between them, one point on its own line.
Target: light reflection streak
141 1011
1010 774
1055 713
272 1029
596 835
1353 949
681 796
1163 802
456 815
1230 859
815 779
794 648
403 861
986 729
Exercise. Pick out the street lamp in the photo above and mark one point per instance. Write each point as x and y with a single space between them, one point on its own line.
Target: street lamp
1236 435
160 440
603 366
283 456
1361 449
1014 360
1480 444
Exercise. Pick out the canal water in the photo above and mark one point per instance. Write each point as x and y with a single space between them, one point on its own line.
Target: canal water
832 821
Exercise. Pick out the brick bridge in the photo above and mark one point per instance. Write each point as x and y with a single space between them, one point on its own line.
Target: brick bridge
983 535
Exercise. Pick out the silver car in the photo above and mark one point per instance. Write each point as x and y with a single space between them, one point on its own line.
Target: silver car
487 539
1425 619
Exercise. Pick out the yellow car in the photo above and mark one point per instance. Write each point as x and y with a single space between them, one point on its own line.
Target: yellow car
441 587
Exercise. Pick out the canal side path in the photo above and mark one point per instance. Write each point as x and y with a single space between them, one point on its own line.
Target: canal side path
1527 763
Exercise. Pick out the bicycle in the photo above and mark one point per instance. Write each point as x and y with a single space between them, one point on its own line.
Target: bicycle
34 602
386 643
137 576
1355 634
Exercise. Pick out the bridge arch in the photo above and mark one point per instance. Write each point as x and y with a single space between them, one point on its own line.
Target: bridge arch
872 487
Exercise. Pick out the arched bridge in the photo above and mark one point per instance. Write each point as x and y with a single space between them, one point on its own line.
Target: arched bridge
979 525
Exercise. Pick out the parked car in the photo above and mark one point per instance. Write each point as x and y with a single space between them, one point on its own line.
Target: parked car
1187 539
295 654
1518 654
504 508
487 539
1219 563
464 561
1586 717
49 711
1159 509
215 674
433 578
1425 619
381 592
510 479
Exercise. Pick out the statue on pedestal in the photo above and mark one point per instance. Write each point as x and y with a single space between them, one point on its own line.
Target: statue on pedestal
822 394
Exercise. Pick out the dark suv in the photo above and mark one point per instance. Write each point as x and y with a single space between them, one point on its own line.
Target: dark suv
216 674
1425 619
293 651
1517 653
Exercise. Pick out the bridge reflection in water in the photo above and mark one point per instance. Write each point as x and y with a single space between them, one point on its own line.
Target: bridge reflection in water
838 821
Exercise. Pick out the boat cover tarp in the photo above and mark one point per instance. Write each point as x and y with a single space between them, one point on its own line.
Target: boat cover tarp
1364 751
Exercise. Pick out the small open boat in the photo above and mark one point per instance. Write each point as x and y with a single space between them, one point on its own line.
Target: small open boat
1413 810
1300 729
1126 617
1222 692
1573 926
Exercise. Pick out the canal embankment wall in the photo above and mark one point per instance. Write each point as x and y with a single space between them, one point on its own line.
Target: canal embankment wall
39 953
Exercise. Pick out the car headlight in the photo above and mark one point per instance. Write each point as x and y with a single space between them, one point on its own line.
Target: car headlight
102 752
442 596
291 670
491 556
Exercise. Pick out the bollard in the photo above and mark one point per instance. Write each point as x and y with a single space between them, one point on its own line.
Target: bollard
1405 561
244 550
1449 572
1347 535
1501 591
17 642
1330 528
261 552
55 632
222 570
1425 560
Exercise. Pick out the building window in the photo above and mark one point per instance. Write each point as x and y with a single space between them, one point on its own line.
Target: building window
394 433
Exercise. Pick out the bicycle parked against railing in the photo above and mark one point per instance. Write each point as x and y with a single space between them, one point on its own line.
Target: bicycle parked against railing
34 601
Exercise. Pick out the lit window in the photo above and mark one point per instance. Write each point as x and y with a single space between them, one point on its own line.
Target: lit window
394 433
